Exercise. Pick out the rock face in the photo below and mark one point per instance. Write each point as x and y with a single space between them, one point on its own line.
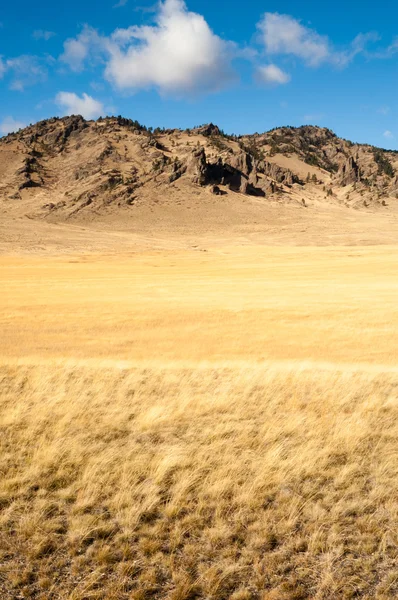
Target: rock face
197 167
242 162
279 174
54 137
208 130
236 174
349 172
239 173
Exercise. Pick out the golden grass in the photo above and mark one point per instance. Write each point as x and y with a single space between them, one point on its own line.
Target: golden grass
216 482
329 304
161 439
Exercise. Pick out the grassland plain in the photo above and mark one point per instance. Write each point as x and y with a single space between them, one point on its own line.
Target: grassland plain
191 424
257 303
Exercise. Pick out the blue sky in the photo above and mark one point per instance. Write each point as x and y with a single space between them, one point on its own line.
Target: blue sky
245 66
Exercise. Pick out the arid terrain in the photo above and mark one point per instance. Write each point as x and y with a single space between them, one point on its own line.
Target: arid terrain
251 303
198 376
70 185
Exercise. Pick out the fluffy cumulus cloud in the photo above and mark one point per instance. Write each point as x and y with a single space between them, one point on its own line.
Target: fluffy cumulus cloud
9 125
180 54
272 75
72 104
388 134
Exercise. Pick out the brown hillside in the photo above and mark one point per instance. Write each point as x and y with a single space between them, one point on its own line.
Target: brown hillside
117 174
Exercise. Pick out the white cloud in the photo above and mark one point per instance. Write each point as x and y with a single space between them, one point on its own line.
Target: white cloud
357 46
40 34
388 52
86 105
2 67
392 48
88 45
272 75
75 53
27 70
179 54
383 110
9 125
282 34
388 134
120 3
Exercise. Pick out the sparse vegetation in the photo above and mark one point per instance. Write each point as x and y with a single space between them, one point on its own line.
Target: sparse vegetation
312 159
217 142
159 164
384 164
253 149
131 124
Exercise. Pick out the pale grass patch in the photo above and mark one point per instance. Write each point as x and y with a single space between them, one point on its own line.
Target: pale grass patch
214 482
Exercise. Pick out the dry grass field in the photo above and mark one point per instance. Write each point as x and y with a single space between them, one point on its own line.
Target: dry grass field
187 424
251 303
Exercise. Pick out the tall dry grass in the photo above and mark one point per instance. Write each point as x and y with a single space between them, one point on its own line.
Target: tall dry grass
218 482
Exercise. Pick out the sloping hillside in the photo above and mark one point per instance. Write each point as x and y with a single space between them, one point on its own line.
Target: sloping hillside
69 166
303 185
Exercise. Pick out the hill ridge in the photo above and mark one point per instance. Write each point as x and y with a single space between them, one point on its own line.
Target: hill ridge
66 168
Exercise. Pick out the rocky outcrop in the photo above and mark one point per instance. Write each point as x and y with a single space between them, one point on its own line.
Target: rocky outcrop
237 174
242 162
198 168
214 189
277 173
348 173
208 130
54 133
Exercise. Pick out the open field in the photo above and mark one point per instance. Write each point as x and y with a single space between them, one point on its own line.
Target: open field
256 303
186 424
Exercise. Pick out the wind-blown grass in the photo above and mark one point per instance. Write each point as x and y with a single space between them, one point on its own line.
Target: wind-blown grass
225 481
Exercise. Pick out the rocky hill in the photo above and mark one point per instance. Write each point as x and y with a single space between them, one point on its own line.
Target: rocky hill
69 168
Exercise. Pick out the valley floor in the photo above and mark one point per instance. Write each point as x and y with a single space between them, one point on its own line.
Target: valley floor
214 422
249 303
